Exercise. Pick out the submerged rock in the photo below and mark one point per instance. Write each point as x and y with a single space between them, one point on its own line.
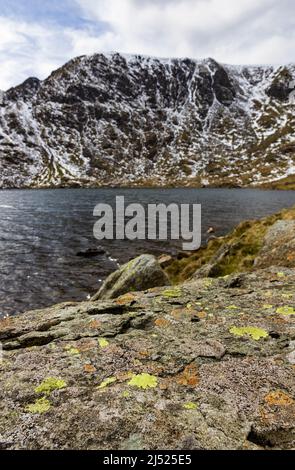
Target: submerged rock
141 273
91 252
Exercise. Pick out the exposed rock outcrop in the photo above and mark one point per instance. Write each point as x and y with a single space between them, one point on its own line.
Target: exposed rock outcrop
206 365
252 244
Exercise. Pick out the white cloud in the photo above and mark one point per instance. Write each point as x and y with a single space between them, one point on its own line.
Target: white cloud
28 49
232 31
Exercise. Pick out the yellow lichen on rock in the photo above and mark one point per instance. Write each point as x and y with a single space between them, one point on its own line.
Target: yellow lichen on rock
103 343
49 385
107 382
172 293
286 310
252 331
42 405
143 381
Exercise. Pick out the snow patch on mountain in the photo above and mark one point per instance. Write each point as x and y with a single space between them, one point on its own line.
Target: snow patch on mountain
120 119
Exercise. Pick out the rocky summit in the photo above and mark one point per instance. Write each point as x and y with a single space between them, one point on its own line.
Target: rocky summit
121 120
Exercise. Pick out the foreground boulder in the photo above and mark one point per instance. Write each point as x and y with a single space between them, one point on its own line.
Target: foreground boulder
206 365
277 248
253 244
139 274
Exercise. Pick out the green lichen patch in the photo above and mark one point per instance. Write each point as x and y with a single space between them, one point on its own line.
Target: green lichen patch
286 310
73 352
49 385
252 331
143 381
172 293
42 405
244 244
106 382
190 406
103 343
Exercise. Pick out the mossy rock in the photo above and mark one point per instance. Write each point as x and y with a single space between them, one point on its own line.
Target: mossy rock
141 273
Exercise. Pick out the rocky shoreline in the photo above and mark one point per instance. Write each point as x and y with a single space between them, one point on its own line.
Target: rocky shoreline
207 363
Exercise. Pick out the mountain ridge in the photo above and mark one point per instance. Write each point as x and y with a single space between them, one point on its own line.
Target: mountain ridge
135 120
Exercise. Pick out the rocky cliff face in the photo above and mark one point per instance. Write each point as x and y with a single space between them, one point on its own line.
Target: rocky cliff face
136 120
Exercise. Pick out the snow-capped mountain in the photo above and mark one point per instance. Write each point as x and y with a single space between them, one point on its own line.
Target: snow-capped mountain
116 120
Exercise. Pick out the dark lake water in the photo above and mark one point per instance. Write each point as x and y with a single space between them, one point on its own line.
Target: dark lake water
42 231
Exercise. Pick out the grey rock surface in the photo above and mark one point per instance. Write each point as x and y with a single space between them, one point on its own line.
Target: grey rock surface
141 273
205 365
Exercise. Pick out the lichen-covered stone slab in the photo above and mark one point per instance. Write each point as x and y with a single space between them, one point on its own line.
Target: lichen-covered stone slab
202 366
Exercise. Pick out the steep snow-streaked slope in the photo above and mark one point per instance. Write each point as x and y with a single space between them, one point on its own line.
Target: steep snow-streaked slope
136 120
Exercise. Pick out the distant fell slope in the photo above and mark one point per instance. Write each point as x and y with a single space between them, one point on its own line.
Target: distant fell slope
134 120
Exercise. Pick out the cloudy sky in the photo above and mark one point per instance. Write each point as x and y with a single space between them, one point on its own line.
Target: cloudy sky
37 36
